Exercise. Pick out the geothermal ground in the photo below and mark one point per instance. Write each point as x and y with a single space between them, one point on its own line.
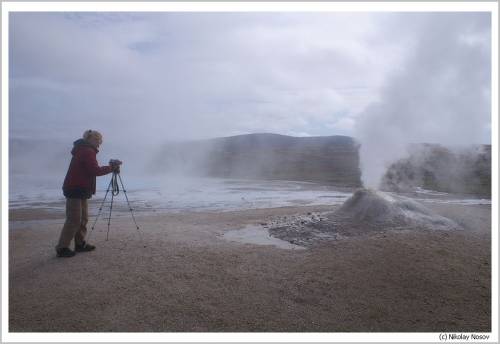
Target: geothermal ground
367 211
319 271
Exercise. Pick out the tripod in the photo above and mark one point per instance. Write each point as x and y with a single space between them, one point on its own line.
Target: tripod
115 190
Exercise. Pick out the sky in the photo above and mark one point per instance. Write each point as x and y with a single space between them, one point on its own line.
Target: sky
154 77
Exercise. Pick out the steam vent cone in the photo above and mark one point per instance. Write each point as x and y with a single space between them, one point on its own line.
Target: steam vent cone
376 207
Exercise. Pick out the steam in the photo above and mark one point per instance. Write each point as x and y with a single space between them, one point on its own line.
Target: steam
441 95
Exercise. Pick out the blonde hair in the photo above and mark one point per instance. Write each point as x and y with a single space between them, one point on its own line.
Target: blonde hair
92 133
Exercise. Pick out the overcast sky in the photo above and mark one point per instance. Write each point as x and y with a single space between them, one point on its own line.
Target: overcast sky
159 76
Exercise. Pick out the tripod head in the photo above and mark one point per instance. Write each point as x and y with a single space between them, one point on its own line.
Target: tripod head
115 165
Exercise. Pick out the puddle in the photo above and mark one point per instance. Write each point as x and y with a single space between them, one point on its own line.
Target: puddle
258 236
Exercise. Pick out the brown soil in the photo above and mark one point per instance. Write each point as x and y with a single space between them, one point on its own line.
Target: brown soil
190 279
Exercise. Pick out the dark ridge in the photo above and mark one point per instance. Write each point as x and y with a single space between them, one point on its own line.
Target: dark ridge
326 159
465 170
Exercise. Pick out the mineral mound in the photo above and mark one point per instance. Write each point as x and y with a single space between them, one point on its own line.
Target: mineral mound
366 211
382 209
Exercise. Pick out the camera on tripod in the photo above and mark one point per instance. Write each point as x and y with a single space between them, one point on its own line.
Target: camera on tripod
115 165
114 162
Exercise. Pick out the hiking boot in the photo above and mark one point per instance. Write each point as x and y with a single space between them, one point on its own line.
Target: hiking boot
84 247
65 252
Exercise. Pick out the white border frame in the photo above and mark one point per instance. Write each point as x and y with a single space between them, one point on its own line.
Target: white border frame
271 6
8 7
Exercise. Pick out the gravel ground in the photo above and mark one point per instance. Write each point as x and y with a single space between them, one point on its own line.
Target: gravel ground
188 278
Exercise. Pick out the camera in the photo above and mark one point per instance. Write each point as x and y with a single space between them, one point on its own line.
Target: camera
114 162
115 165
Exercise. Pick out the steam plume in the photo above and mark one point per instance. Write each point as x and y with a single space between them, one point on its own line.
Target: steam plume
441 95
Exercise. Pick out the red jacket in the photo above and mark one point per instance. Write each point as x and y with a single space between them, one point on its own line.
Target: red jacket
81 176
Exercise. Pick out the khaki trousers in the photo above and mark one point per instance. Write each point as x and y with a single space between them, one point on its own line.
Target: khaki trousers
75 226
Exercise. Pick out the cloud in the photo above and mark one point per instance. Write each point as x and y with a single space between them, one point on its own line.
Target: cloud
158 76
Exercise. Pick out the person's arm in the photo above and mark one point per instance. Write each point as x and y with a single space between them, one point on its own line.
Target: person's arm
90 164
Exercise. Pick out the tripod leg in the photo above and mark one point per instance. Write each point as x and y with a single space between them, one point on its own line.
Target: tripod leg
100 210
131 210
109 218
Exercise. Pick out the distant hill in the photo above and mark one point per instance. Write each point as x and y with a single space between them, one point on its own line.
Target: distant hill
38 156
327 159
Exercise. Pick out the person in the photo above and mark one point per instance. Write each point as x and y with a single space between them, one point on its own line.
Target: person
79 186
